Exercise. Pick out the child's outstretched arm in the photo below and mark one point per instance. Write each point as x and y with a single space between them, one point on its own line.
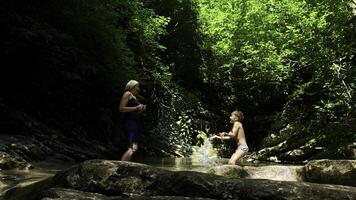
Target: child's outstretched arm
229 134
221 137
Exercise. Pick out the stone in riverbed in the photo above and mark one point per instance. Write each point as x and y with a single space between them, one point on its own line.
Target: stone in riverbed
8 161
341 172
231 171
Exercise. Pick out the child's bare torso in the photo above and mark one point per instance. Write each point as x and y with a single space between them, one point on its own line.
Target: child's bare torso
240 135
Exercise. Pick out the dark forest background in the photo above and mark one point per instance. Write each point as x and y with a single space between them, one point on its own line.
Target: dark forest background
289 65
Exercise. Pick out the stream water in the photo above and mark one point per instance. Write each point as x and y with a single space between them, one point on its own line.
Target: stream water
19 178
203 159
279 172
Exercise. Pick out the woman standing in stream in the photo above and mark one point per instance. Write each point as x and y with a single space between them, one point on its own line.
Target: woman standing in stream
132 108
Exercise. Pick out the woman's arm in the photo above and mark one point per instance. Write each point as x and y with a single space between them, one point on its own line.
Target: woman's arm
123 102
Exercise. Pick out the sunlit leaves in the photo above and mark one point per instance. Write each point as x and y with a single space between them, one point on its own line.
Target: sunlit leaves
303 48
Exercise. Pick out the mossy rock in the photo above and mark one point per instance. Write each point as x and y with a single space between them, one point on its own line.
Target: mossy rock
231 171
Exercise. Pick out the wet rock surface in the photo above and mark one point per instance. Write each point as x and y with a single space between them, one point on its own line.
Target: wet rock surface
233 171
341 172
64 194
115 179
25 139
8 161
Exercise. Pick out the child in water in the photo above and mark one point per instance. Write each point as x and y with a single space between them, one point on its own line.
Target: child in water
237 132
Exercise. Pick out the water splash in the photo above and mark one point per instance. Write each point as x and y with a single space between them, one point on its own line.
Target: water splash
204 155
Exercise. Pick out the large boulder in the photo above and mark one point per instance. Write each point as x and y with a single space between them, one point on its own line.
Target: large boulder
331 171
62 194
117 178
65 194
232 171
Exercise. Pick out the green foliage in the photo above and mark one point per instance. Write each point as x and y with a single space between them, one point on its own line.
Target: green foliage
75 58
290 57
268 41
178 121
201 137
198 59
182 55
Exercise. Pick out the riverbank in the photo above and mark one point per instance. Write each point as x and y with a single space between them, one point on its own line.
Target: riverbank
331 173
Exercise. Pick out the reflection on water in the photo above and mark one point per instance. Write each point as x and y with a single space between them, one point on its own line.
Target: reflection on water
12 178
19 178
181 164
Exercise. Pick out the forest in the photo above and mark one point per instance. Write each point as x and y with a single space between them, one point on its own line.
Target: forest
288 65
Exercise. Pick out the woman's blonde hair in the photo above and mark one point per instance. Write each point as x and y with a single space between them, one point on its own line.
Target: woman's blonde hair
131 84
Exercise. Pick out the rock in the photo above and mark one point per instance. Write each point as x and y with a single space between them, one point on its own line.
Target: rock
63 194
341 172
275 172
12 162
25 149
117 178
232 171
30 139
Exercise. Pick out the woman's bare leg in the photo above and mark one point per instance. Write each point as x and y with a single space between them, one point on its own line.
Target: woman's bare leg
130 151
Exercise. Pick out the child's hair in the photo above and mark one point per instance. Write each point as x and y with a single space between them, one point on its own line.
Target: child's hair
239 114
